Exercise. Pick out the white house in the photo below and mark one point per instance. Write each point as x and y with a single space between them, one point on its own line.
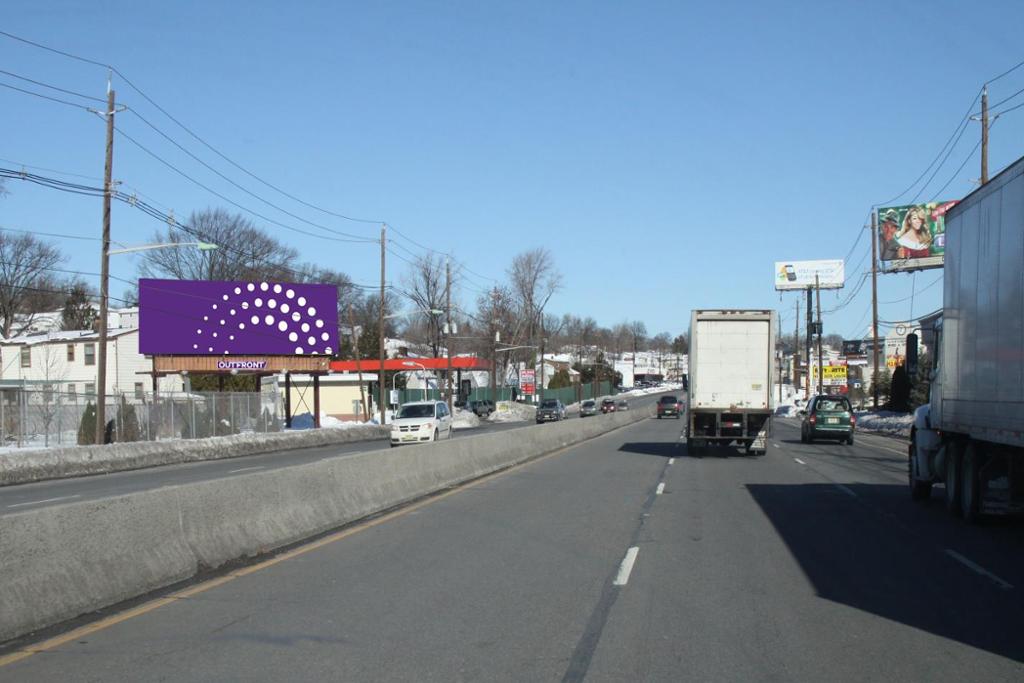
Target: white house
67 360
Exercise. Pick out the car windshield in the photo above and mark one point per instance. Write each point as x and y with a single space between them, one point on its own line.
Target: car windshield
417 410
549 404
588 404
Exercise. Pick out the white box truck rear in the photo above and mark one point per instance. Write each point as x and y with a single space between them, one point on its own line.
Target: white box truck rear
731 363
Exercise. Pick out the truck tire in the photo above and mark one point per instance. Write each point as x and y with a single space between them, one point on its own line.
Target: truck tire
952 478
919 490
970 485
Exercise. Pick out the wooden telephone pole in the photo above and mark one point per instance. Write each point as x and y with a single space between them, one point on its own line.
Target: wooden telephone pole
108 170
984 135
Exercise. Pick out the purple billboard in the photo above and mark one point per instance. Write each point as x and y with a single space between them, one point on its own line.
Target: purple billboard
196 317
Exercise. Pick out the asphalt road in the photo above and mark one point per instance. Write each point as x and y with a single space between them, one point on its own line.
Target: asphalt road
60 491
809 563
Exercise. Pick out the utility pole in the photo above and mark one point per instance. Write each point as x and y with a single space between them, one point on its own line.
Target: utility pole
796 348
448 325
380 380
543 341
820 331
874 305
807 345
494 347
108 170
359 365
984 135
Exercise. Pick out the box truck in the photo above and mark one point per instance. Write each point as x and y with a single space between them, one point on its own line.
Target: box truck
732 356
970 435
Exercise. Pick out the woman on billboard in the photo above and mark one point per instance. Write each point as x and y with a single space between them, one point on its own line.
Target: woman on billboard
914 237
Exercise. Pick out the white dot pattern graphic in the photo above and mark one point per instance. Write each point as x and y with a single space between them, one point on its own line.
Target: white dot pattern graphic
286 314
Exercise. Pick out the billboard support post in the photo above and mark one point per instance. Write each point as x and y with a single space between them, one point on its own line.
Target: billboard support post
874 306
380 322
796 347
984 135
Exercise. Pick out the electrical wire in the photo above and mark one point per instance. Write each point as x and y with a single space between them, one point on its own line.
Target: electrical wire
232 202
957 172
53 87
963 120
45 97
206 144
244 189
86 190
920 291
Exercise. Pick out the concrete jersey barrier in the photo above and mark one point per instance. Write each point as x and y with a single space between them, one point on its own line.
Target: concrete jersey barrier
77 461
63 561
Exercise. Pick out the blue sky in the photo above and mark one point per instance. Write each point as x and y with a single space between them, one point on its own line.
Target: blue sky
666 153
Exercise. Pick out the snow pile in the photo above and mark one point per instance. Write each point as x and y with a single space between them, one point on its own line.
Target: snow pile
886 422
514 412
305 421
464 419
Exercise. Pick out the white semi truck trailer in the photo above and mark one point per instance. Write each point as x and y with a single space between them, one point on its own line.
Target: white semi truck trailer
970 436
732 357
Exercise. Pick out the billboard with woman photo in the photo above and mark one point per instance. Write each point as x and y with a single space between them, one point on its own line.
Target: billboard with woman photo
912 237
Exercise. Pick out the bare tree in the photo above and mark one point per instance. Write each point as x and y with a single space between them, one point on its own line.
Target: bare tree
638 334
534 280
244 252
425 285
26 285
52 372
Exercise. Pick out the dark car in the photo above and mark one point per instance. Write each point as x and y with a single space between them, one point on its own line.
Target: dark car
669 406
608 405
828 417
482 408
551 410
588 408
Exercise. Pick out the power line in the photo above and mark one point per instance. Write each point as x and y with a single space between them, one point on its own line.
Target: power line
86 190
185 128
1006 73
957 172
53 87
920 291
963 120
246 190
45 97
230 201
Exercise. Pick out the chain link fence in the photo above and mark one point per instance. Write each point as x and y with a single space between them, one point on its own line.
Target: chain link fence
42 418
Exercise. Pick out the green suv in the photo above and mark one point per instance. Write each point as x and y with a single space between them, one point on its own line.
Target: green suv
828 417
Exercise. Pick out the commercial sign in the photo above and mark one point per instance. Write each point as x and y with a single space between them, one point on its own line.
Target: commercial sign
202 318
241 364
528 381
801 274
832 375
912 237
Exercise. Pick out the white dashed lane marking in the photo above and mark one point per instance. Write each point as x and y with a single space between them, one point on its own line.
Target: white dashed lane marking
622 578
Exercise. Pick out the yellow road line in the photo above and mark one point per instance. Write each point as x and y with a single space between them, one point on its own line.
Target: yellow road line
157 603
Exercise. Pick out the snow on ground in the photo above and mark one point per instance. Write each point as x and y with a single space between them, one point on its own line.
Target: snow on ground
516 412
305 421
886 422
464 419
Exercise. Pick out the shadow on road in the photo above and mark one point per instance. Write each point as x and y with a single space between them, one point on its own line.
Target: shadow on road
664 449
862 558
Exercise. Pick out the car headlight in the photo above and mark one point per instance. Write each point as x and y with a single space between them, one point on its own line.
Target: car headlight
427 425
